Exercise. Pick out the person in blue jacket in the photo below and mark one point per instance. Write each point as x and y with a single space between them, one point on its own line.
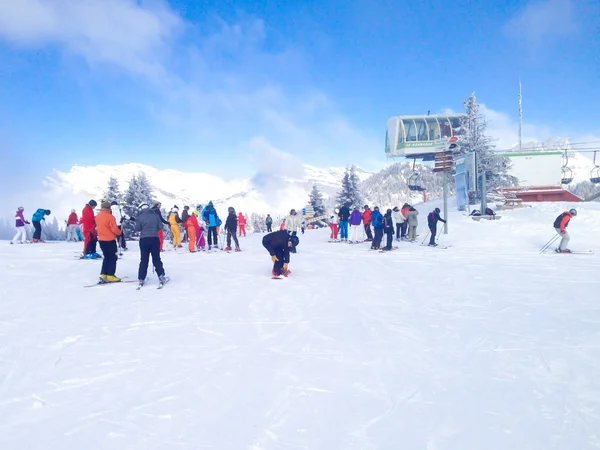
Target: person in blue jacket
210 216
377 221
36 220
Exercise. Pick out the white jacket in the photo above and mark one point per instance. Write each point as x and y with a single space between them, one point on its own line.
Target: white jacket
398 217
116 211
292 223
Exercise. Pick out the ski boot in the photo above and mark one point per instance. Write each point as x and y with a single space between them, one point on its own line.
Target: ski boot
227 249
112 279
237 249
103 279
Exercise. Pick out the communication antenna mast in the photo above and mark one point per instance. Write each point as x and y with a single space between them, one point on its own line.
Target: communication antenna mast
520 117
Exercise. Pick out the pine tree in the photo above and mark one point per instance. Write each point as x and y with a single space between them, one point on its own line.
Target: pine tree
344 196
113 193
138 192
473 138
315 199
354 182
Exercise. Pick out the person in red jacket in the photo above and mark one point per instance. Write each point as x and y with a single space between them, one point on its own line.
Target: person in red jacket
72 223
192 226
242 224
560 225
366 217
88 223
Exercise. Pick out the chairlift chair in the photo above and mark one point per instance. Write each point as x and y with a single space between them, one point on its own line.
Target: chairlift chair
414 180
595 173
567 173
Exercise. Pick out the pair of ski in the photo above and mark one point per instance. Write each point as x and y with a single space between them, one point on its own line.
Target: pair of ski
580 252
160 284
99 283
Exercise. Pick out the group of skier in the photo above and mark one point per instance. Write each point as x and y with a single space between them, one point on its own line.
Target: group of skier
352 226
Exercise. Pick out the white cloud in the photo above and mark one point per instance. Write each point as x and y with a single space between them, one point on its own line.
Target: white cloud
132 35
543 20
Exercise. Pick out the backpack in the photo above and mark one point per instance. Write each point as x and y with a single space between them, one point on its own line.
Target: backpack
559 220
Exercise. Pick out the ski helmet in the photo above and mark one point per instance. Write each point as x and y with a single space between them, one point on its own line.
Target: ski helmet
437 210
198 208
72 210
186 207
230 209
114 203
93 203
195 213
573 211
295 241
143 206
156 204
20 208
47 212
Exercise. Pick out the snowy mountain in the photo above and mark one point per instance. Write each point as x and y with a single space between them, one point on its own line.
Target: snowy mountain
263 193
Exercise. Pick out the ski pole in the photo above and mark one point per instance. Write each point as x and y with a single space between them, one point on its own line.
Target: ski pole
426 236
549 243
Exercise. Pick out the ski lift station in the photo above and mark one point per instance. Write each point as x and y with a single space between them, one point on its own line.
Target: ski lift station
419 137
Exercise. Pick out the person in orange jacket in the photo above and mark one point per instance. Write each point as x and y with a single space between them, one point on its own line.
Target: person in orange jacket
192 226
108 230
241 220
560 225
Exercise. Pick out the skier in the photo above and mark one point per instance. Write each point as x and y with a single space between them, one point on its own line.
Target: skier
367 222
377 220
355 226
115 208
399 219
200 242
388 229
108 230
148 223
282 226
560 225
37 218
89 230
72 222
413 222
20 222
161 234
404 226
432 220
292 223
302 226
210 216
174 221
344 215
333 224
191 225
231 225
241 221
185 215
269 223
279 245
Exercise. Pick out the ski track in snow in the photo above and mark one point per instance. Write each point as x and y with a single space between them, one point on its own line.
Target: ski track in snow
484 345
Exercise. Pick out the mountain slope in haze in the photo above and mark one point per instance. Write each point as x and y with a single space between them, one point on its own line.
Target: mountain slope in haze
274 193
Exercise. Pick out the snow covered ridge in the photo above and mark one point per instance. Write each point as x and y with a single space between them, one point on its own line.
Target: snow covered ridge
262 193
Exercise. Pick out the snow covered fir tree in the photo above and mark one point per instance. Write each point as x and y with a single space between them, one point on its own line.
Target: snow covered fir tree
113 193
315 199
474 139
139 191
350 192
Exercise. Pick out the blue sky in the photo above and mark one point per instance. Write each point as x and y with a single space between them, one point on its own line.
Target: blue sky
217 85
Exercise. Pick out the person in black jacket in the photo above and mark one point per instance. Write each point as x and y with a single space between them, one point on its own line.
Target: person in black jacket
185 215
161 235
279 244
388 229
432 220
344 215
231 228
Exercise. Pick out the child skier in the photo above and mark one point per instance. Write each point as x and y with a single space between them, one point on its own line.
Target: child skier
432 220
192 227
388 229
174 221
333 224
20 222
241 221
560 225
37 218
377 220
148 224
72 222
367 214
413 222
231 225
355 226
279 244
108 230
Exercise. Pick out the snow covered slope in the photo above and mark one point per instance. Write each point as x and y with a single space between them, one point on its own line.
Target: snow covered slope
485 345
272 192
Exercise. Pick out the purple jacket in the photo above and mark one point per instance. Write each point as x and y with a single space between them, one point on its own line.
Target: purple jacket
355 218
20 220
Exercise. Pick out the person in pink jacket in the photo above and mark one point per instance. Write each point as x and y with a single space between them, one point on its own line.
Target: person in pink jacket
200 241
20 222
